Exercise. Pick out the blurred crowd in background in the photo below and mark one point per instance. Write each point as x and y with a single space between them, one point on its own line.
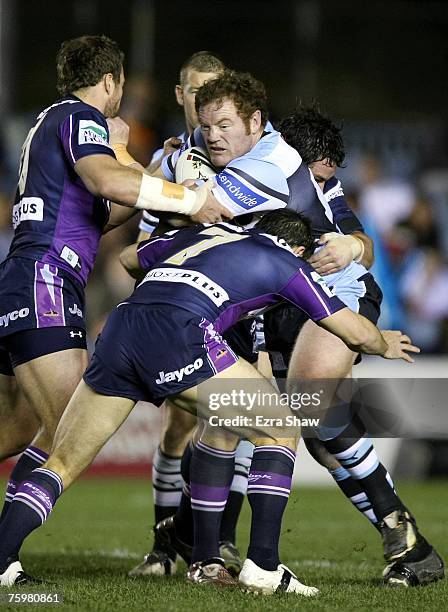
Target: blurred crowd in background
395 177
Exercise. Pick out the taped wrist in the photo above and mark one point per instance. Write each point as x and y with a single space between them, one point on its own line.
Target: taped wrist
157 194
122 155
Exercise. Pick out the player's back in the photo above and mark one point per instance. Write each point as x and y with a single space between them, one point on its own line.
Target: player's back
219 272
55 218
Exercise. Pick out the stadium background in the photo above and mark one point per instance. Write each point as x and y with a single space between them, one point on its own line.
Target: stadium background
379 68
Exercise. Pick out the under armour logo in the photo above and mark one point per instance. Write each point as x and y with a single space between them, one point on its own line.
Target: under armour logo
73 334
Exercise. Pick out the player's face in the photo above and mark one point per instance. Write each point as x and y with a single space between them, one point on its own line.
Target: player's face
186 95
225 133
113 104
322 170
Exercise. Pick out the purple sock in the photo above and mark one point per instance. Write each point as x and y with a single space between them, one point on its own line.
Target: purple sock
32 503
211 473
268 492
31 459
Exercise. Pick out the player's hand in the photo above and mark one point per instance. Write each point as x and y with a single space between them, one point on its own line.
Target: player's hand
118 131
398 345
211 211
171 144
339 251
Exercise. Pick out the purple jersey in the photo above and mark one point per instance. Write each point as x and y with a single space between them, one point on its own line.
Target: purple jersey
57 221
223 273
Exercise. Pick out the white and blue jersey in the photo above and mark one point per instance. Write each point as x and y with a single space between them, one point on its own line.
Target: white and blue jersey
272 175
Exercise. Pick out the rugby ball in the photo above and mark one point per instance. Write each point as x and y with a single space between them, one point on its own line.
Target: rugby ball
193 164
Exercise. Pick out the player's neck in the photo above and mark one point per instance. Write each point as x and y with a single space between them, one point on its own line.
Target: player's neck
92 96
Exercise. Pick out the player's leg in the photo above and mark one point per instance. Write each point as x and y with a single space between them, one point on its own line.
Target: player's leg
19 424
47 382
18 427
328 357
167 485
242 339
88 422
166 473
210 475
351 447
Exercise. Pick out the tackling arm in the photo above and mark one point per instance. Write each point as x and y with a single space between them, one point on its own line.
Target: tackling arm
361 336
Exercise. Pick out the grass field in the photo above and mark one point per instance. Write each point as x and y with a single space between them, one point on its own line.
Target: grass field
100 529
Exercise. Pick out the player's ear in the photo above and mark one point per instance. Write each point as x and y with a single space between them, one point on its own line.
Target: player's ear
255 122
179 93
109 83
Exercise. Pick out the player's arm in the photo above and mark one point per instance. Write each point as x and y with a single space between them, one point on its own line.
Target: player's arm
308 291
138 257
169 146
361 336
118 216
104 176
85 139
250 185
368 256
341 249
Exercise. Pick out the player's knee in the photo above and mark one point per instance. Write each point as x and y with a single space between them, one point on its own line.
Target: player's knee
290 442
175 439
178 432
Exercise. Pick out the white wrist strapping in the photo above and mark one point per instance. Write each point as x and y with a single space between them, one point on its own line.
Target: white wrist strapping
157 194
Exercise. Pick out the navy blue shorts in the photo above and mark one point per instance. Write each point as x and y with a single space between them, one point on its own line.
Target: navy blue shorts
242 339
34 295
148 352
41 312
29 344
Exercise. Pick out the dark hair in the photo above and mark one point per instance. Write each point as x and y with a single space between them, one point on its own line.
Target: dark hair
82 62
202 61
313 135
293 227
242 88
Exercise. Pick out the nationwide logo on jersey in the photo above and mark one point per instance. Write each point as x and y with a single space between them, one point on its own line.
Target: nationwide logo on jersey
91 133
238 192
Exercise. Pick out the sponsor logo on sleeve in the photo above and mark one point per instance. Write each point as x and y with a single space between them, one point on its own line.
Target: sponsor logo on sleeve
238 192
91 133
317 278
334 193
27 209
